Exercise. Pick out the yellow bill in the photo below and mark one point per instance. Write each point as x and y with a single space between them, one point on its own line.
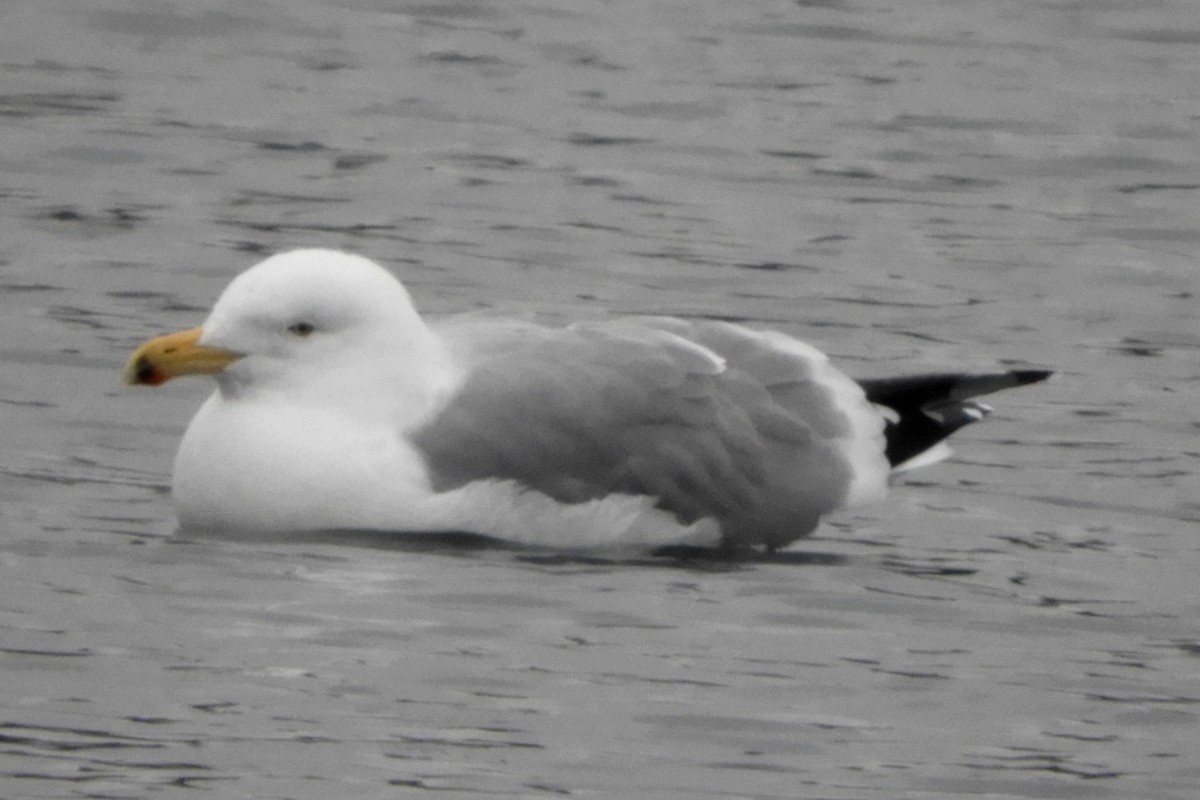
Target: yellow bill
173 355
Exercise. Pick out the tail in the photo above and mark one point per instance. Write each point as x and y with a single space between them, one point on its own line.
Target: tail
922 410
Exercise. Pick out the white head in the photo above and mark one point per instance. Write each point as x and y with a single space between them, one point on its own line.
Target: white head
309 327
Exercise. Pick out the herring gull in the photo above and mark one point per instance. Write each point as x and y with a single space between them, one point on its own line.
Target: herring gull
338 407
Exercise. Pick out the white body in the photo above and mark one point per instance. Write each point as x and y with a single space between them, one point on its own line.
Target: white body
636 431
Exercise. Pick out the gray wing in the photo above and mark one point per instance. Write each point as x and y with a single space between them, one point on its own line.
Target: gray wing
710 419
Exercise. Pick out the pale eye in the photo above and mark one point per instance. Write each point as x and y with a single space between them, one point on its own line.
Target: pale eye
301 328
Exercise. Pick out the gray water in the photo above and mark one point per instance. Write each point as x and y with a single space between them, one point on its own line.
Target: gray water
909 186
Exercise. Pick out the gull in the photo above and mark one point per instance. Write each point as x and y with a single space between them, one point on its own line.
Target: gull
337 407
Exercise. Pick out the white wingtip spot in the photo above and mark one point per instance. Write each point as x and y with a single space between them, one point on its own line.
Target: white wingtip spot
939 452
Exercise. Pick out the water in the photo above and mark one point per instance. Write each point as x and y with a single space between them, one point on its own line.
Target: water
908 187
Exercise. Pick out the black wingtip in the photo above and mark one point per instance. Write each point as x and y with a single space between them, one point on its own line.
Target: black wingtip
928 408
1027 376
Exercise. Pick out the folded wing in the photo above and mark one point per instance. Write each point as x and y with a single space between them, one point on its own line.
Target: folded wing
712 420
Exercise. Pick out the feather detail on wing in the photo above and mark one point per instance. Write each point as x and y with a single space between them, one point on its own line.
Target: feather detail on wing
713 420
